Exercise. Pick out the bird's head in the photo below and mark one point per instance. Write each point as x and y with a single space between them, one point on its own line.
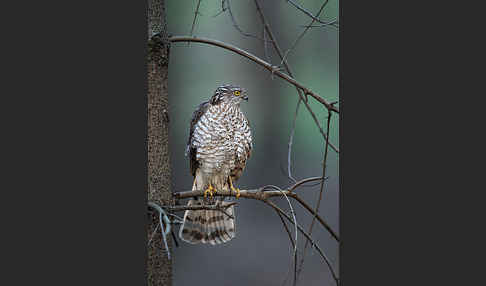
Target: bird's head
231 94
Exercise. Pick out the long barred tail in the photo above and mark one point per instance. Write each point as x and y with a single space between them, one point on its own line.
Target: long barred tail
208 226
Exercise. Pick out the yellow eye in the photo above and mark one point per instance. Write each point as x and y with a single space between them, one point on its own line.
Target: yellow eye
237 93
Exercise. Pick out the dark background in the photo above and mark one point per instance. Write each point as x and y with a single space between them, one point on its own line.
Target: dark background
261 253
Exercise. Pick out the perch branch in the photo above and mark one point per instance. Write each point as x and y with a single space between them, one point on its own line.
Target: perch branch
261 195
203 207
196 208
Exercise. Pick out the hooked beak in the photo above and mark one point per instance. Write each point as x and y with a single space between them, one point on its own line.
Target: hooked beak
245 97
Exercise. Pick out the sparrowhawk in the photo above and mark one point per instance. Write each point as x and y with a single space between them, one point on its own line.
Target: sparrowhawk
218 147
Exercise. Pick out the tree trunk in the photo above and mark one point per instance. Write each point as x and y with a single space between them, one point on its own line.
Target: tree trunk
159 267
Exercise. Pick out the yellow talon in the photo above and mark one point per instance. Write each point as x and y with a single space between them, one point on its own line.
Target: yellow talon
210 191
234 189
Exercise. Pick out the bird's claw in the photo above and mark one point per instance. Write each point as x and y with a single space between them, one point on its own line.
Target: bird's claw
209 190
236 190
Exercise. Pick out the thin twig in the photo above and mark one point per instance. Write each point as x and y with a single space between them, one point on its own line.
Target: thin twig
174 237
223 9
195 16
318 204
306 180
334 23
228 6
259 61
305 31
309 209
287 230
291 139
275 207
307 12
265 49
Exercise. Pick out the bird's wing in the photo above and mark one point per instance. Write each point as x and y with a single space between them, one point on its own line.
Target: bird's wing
240 163
249 146
191 150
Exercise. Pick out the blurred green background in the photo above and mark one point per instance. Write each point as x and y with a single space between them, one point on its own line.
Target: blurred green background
260 254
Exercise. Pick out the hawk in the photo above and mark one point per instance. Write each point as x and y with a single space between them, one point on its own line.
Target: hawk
218 147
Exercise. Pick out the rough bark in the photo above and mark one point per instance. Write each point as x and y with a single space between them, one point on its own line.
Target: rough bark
159 267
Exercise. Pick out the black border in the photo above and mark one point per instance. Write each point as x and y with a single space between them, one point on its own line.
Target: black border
74 186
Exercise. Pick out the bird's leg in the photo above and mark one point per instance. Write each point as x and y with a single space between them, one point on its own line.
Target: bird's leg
209 190
233 188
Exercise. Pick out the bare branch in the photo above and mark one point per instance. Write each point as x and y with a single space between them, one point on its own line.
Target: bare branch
259 61
287 67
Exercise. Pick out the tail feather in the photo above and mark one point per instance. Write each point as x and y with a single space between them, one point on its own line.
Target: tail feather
229 225
207 226
221 231
212 235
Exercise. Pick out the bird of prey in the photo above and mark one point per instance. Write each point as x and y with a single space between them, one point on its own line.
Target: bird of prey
219 145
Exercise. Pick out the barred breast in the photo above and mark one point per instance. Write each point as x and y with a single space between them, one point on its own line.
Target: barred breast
222 138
